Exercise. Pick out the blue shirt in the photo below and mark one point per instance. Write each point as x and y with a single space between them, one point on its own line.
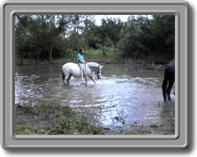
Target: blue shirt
80 57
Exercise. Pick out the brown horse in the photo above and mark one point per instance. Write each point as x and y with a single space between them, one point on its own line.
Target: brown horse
169 77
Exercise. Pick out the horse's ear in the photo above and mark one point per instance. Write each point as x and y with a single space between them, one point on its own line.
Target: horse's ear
100 67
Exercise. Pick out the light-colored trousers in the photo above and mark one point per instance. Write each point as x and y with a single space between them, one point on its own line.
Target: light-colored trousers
81 67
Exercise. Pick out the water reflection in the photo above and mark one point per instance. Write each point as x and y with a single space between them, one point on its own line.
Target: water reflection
120 97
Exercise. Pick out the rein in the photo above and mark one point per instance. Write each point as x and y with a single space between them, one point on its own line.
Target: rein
84 70
94 70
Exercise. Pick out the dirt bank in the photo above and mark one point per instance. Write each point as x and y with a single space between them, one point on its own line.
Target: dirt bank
54 119
134 64
44 123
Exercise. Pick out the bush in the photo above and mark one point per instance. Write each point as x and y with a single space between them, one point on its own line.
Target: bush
64 121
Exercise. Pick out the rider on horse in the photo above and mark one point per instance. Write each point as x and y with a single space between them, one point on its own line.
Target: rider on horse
80 61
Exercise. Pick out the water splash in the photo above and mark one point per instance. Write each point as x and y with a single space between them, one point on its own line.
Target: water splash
117 99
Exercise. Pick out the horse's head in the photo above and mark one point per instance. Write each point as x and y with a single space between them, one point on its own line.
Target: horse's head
99 71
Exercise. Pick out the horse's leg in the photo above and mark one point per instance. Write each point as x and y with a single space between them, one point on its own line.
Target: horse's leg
92 78
169 89
63 76
164 88
86 80
68 78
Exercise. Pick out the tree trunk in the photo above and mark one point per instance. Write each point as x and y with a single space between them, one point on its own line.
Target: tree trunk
103 44
73 42
87 36
77 22
87 43
88 51
77 39
21 63
37 53
115 47
50 53
42 59
72 45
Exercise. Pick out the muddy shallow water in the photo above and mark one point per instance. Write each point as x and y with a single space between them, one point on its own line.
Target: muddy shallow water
123 98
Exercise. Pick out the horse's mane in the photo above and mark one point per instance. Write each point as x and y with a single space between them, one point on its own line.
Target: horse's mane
93 64
90 64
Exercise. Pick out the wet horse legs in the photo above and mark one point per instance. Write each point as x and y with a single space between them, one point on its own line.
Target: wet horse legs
92 78
169 89
68 78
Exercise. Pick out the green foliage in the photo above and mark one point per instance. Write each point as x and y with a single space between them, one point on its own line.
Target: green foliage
50 36
64 121
25 129
151 36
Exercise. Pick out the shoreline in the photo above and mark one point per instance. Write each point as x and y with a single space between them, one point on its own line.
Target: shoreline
136 64
40 122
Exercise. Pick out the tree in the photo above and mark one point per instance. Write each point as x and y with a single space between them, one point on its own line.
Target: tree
128 44
21 22
89 24
102 31
74 24
36 31
55 26
115 30
46 36
165 29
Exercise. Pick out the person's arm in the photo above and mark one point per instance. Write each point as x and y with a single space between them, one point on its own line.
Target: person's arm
82 61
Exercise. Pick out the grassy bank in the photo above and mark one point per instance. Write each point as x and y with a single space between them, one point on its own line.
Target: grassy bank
50 118
94 53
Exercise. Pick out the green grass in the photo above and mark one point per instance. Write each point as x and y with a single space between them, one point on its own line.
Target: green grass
65 121
94 53
154 125
51 118
25 129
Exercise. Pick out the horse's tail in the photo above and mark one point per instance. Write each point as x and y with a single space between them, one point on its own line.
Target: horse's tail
63 76
164 85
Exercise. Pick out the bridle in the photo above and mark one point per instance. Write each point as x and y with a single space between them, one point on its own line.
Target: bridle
95 69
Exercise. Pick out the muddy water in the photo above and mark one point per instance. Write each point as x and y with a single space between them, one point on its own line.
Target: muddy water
122 97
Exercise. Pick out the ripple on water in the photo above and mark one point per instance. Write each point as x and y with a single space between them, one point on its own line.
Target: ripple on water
128 96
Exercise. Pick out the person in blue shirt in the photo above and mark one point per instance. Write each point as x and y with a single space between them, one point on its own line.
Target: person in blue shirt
80 61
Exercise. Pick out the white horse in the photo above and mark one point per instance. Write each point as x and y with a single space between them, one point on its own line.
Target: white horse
72 69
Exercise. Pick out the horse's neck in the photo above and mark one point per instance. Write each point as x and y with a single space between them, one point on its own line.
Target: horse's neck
93 64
